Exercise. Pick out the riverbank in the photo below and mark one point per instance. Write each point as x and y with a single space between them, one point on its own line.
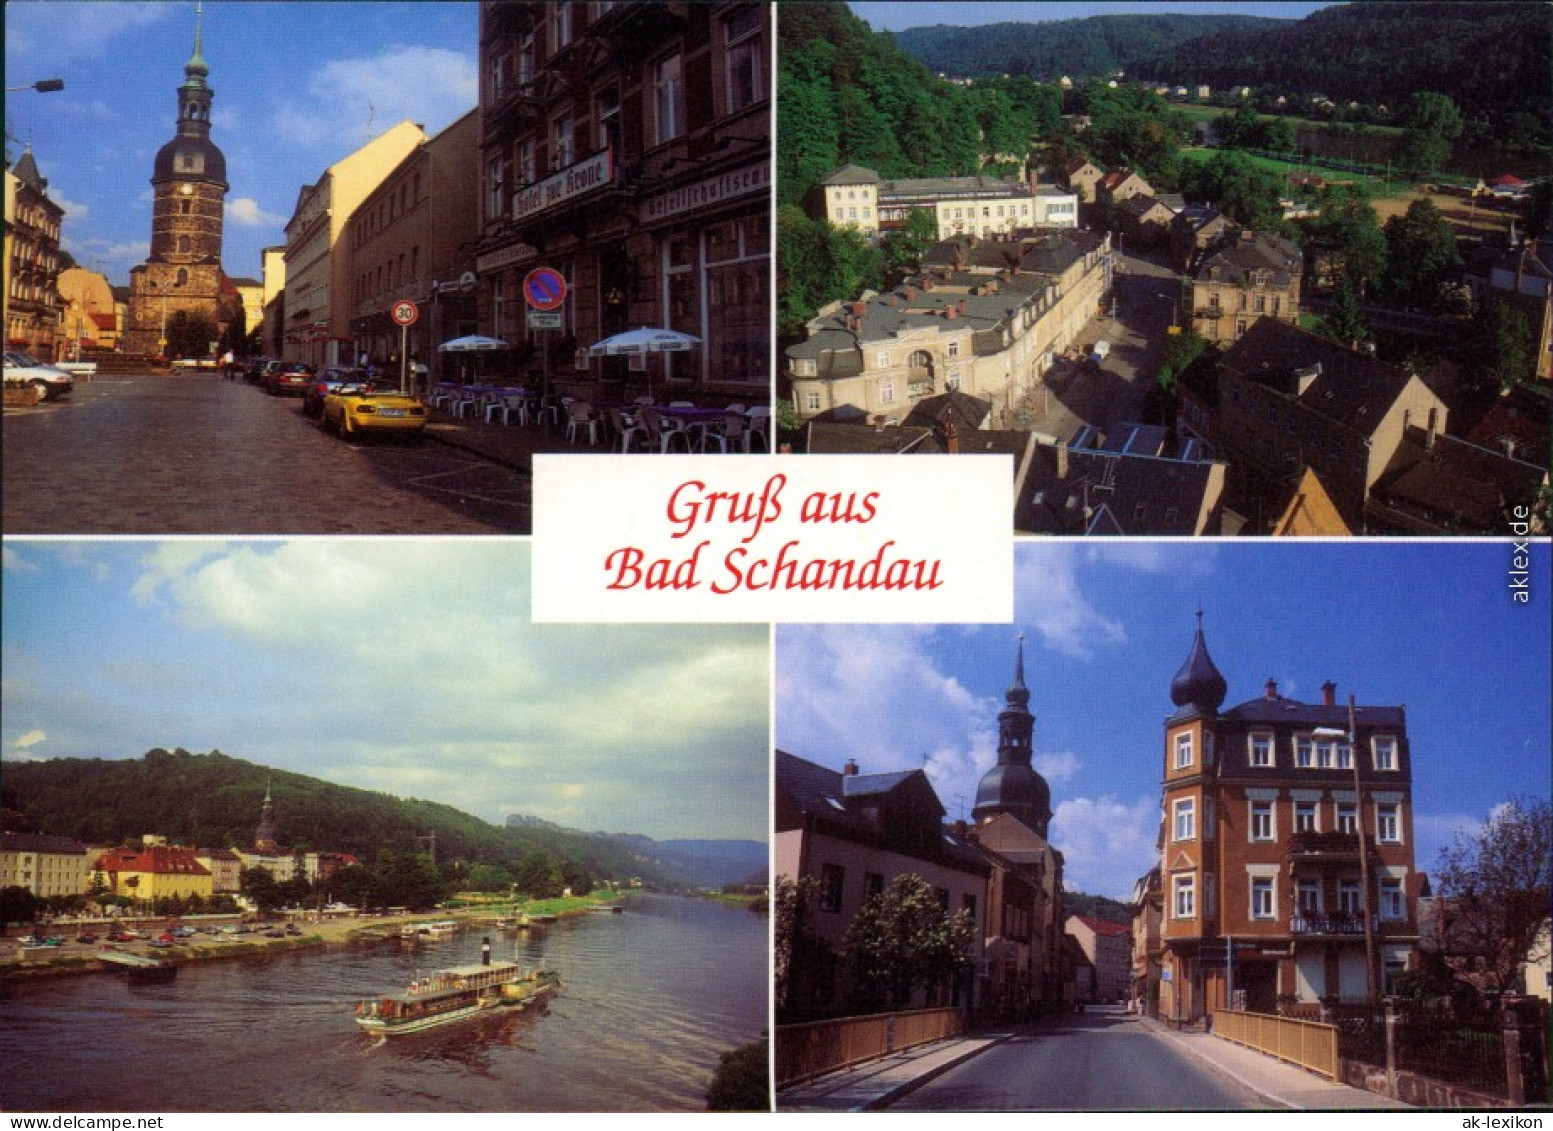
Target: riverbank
76 958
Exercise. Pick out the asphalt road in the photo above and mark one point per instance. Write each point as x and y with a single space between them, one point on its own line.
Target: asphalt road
200 455
1096 1061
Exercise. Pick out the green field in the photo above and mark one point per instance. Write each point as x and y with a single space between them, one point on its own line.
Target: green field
1378 187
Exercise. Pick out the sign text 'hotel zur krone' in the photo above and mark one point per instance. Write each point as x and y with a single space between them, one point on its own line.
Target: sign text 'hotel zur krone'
853 539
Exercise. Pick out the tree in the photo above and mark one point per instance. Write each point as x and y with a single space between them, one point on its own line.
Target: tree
1344 321
1495 887
537 875
1430 123
792 940
1421 250
189 333
742 1081
903 938
1239 188
259 885
905 246
1348 228
1180 351
1501 346
17 905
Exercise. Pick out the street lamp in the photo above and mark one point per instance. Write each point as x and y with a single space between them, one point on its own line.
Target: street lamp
42 86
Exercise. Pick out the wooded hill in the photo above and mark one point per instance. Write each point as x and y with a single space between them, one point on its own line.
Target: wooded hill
214 801
1096 47
1491 59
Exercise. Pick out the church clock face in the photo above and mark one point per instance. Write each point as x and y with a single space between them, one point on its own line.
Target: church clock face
187 190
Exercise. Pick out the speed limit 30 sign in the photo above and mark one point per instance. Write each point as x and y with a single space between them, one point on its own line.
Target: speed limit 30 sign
405 312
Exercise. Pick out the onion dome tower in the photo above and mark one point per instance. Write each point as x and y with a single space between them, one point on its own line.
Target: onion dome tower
1198 685
1012 786
189 187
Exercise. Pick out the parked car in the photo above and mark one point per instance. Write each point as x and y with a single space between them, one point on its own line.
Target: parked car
86 938
254 374
289 378
50 380
121 937
351 412
331 379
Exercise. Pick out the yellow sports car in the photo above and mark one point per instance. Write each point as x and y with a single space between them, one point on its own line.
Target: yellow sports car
353 410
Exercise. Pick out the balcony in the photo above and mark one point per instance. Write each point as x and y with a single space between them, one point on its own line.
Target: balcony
1333 847
1336 924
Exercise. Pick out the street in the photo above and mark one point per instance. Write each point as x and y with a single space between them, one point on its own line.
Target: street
200 455
1145 295
1101 1060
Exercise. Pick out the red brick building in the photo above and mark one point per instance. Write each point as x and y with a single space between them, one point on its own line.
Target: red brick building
1266 894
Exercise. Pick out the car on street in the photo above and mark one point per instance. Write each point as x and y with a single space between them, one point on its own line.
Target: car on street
352 412
24 369
86 938
331 379
288 379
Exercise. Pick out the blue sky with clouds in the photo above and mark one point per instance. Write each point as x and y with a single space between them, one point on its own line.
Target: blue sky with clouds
1427 625
400 665
298 86
885 15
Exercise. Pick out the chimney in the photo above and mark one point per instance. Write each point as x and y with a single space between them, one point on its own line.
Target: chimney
1062 459
1329 694
850 769
951 311
1271 691
911 294
1433 427
951 438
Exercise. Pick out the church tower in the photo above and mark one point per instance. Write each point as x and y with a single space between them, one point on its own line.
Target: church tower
1013 786
264 835
189 186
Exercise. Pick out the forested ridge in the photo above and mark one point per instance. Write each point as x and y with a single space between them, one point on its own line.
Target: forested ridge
1098 46
1491 59
214 801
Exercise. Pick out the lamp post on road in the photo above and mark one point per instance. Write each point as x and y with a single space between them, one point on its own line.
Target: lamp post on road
1175 307
42 86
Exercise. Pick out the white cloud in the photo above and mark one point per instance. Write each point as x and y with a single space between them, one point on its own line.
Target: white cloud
1056 768
1049 600
54 33
15 562
1106 843
73 212
245 212
878 695
30 739
352 99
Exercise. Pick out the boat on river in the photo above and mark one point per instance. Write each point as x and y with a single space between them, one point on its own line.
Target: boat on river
455 994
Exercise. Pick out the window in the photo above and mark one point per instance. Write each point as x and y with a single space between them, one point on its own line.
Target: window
1305 819
1261 749
1304 753
1207 893
1348 897
1261 820
1185 810
1388 824
1263 898
886 392
526 59
882 359
496 188
1184 902
1347 817
668 100
563 142
563 24
1308 893
744 55
832 876
1385 748
528 162
873 884
1344 756
1183 751
606 113
1392 905
968 901
1325 752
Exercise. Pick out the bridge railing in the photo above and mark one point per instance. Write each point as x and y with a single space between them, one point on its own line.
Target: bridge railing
1309 1044
816 1047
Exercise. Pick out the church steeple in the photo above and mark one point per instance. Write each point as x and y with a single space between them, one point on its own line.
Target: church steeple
1013 786
264 835
1198 685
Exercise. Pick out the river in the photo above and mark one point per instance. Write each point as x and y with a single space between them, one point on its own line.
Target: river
650 998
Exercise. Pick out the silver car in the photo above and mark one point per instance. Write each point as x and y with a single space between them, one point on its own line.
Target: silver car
24 369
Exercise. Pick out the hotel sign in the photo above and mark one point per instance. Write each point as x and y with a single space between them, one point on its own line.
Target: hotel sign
710 192
573 181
